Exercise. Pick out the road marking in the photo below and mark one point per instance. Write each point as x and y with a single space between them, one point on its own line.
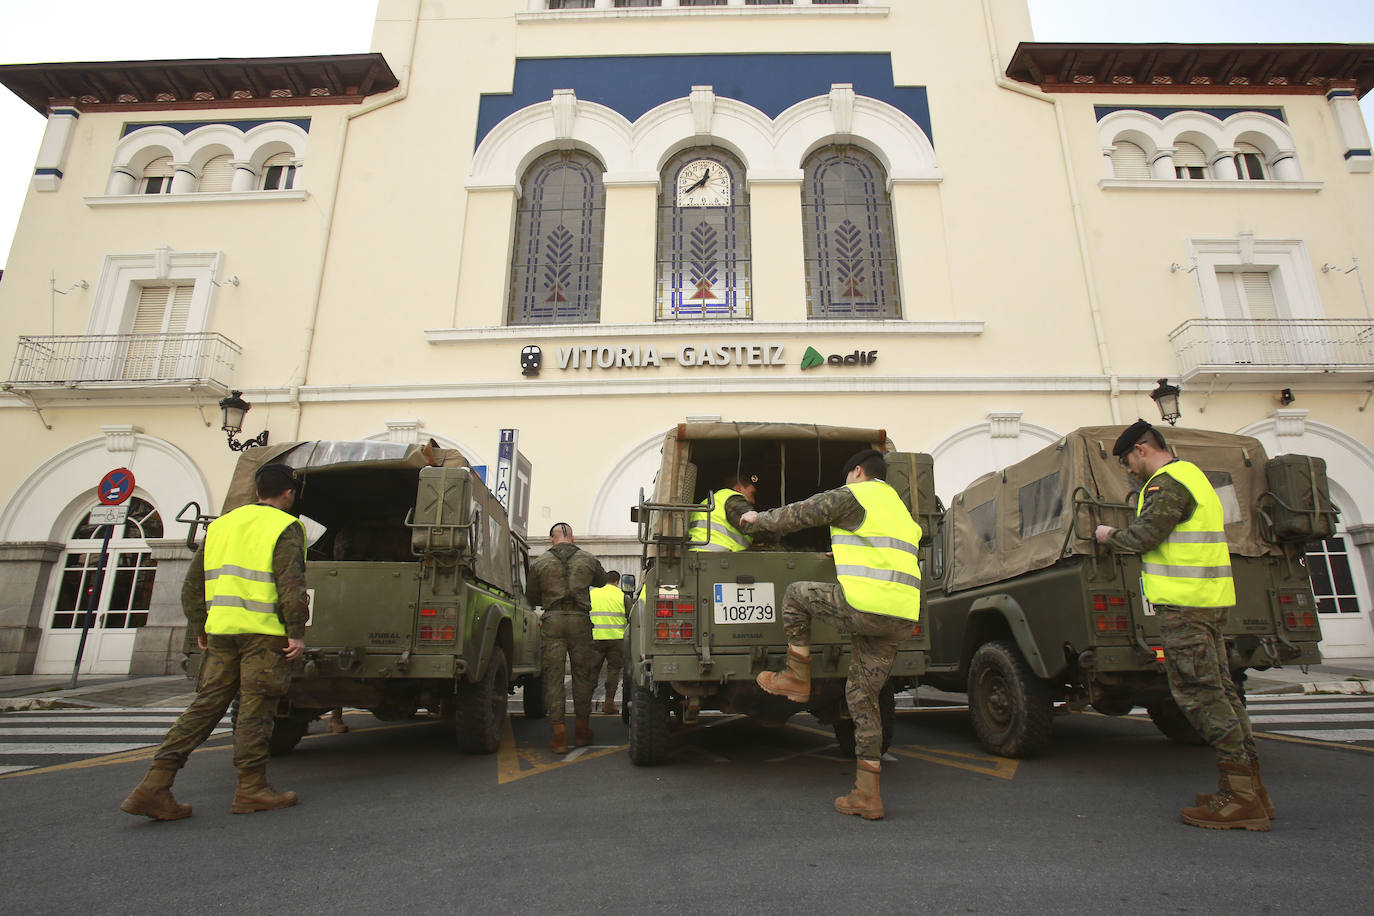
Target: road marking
514 762
1332 734
1001 767
1310 742
19 749
113 720
16 769
1318 717
1318 698
1369 706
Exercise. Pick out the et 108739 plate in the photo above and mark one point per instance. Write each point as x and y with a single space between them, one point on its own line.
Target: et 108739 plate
735 603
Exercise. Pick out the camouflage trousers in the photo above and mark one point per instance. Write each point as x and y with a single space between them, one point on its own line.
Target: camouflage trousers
1200 678
568 635
247 665
874 639
611 653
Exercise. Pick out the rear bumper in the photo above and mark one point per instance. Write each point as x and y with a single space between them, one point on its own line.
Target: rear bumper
827 662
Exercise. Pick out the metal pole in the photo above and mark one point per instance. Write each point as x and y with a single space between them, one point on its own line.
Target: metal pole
92 600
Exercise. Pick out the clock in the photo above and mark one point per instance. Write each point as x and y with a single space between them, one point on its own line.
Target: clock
703 183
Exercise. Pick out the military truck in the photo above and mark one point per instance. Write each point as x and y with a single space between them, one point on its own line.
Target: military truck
708 622
1031 616
416 583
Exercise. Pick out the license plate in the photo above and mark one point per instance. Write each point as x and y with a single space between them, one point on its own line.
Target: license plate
735 603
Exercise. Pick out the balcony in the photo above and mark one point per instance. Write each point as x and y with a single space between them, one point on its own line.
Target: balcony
140 366
1274 350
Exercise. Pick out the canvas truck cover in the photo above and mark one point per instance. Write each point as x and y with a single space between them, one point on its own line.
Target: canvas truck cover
1019 519
363 484
676 483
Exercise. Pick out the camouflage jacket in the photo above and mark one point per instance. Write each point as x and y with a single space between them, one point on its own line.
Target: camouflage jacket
560 578
1167 502
837 507
288 569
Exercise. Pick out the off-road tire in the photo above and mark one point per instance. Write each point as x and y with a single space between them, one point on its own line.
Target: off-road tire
887 707
626 692
648 728
534 701
287 732
1173 724
1008 704
479 710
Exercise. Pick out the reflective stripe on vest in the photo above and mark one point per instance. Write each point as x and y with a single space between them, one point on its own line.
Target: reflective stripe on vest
608 612
240 590
1192 566
715 528
877 564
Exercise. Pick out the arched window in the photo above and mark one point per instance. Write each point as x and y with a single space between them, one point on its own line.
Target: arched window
851 258
1249 163
127 591
1128 160
217 175
559 230
703 237
1189 161
157 176
278 173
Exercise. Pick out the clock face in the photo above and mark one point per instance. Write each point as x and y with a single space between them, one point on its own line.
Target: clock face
703 183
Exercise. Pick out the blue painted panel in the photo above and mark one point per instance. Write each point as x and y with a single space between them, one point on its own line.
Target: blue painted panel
1221 113
185 127
769 82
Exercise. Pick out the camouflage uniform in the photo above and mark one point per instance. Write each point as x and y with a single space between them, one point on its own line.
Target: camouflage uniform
1195 655
559 583
874 638
246 664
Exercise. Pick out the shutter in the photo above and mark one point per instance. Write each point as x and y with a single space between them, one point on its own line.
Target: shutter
218 175
175 347
159 168
1128 161
140 360
1189 155
1231 305
1259 294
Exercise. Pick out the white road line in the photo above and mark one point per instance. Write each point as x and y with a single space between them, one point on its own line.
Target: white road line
5 769
90 749
1304 697
1317 717
81 732
72 720
1320 710
1330 734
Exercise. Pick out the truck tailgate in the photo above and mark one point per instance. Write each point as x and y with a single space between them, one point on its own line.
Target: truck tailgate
356 604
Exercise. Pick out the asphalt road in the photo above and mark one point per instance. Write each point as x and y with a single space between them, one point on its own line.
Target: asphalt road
739 821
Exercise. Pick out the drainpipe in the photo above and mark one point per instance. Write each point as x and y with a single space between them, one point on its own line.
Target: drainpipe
1094 306
396 95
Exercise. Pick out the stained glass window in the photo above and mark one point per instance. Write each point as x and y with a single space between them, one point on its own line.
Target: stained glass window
703 237
559 231
851 258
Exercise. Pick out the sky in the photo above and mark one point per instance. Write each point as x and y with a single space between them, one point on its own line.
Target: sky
33 31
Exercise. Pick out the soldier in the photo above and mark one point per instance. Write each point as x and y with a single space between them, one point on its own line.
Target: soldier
609 605
559 583
244 598
1180 531
720 526
877 601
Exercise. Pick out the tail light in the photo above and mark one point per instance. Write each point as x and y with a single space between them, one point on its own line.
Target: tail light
1107 623
1300 620
437 625
917 630
1104 601
668 628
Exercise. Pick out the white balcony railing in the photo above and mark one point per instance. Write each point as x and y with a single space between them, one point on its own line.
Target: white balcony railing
123 361
1249 346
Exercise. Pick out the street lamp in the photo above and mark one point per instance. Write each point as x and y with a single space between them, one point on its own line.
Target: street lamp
233 409
1166 399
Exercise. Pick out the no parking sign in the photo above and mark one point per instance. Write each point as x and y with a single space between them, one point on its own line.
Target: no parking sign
115 487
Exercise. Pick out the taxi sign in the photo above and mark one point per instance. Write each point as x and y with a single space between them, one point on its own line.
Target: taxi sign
116 486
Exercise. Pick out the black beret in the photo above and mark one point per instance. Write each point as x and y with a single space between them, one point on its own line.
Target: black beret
1127 440
860 458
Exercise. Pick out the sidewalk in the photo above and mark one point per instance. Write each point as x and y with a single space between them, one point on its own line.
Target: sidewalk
50 691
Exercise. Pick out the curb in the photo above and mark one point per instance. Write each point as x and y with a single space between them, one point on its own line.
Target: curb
19 704
1350 686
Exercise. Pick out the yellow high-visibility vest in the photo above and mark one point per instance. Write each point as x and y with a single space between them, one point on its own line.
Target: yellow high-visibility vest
1192 566
240 590
715 528
877 565
608 612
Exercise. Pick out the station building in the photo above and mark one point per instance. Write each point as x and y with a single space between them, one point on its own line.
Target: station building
590 221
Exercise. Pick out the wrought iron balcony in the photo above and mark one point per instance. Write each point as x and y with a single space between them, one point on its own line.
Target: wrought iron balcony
1274 348
82 365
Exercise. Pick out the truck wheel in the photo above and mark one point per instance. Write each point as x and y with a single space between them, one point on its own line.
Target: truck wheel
479 710
1171 721
1008 704
626 691
533 693
648 728
887 707
287 732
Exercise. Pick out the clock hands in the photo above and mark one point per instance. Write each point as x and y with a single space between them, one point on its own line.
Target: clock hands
700 181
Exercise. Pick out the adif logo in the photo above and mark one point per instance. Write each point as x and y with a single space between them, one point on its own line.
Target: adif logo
812 358
531 359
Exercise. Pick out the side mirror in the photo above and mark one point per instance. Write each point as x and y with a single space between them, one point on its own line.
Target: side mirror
627 583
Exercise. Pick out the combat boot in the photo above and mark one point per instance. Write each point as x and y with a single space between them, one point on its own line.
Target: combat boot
793 682
609 707
153 796
559 744
254 794
1205 798
582 731
1236 805
337 726
865 799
